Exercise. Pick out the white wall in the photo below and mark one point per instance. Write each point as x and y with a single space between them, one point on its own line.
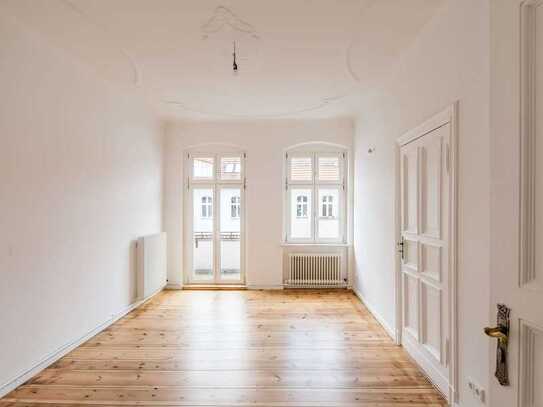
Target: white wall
81 179
448 61
264 142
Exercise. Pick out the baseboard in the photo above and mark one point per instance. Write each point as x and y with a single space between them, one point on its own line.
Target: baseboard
65 349
391 332
213 287
174 286
265 287
433 375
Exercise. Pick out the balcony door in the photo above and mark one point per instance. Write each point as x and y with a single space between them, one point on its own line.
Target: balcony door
215 218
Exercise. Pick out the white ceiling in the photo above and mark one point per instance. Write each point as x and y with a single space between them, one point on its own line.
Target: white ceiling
296 57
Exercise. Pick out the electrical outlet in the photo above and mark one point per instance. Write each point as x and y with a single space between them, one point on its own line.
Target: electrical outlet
477 391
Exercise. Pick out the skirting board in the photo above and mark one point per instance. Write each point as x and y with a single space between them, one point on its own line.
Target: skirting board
264 287
63 350
391 332
433 375
174 286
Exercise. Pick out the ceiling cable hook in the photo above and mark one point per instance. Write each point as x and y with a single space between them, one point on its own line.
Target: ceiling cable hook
234 64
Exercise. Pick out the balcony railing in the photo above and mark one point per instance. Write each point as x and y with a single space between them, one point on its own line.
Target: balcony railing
207 236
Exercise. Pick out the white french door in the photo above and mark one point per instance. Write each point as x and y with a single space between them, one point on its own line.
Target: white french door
425 229
215 218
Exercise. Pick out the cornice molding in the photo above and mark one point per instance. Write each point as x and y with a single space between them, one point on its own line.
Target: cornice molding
348 61
206 112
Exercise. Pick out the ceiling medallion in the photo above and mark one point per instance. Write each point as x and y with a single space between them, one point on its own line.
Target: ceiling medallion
225 27
224 17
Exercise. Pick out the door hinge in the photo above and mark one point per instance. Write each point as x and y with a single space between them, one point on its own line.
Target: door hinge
244 182
447 351
244 155
188 182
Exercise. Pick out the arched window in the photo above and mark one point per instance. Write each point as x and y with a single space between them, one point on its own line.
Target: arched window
315 198
301 206
207 207
235 207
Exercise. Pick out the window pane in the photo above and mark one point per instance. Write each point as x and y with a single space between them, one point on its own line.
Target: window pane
230 255
329 213
301 169
202 259
300 213
230 168
203 167
329 169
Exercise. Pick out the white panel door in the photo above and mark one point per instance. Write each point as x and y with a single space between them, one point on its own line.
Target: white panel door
516 216
425 248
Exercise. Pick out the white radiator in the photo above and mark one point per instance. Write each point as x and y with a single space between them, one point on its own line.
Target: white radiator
311 270
151 265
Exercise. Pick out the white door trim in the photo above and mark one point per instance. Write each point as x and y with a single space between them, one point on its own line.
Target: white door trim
448 115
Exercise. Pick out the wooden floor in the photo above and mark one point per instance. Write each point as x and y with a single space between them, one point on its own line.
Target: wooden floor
236 348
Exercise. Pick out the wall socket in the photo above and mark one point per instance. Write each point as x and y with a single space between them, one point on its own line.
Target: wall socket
477 391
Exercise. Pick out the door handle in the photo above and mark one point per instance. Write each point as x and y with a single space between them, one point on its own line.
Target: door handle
498 332
501 333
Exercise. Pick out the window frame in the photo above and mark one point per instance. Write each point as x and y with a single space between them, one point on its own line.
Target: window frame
315 185
216 184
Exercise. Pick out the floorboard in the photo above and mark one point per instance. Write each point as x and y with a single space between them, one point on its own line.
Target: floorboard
236 348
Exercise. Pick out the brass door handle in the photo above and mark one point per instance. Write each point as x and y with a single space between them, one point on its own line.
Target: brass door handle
499 333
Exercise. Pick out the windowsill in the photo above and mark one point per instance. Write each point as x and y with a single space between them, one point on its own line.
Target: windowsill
287 244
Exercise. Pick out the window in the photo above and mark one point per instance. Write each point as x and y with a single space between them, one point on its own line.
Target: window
301 206
231 168
315 185
203 168
234 207
207 207
327 206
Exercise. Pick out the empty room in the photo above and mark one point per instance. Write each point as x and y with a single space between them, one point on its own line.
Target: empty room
271 203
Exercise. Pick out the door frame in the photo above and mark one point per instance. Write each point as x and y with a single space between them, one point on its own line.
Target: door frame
187 221
448 115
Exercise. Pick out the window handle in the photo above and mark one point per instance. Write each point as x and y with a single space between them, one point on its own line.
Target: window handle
401 248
